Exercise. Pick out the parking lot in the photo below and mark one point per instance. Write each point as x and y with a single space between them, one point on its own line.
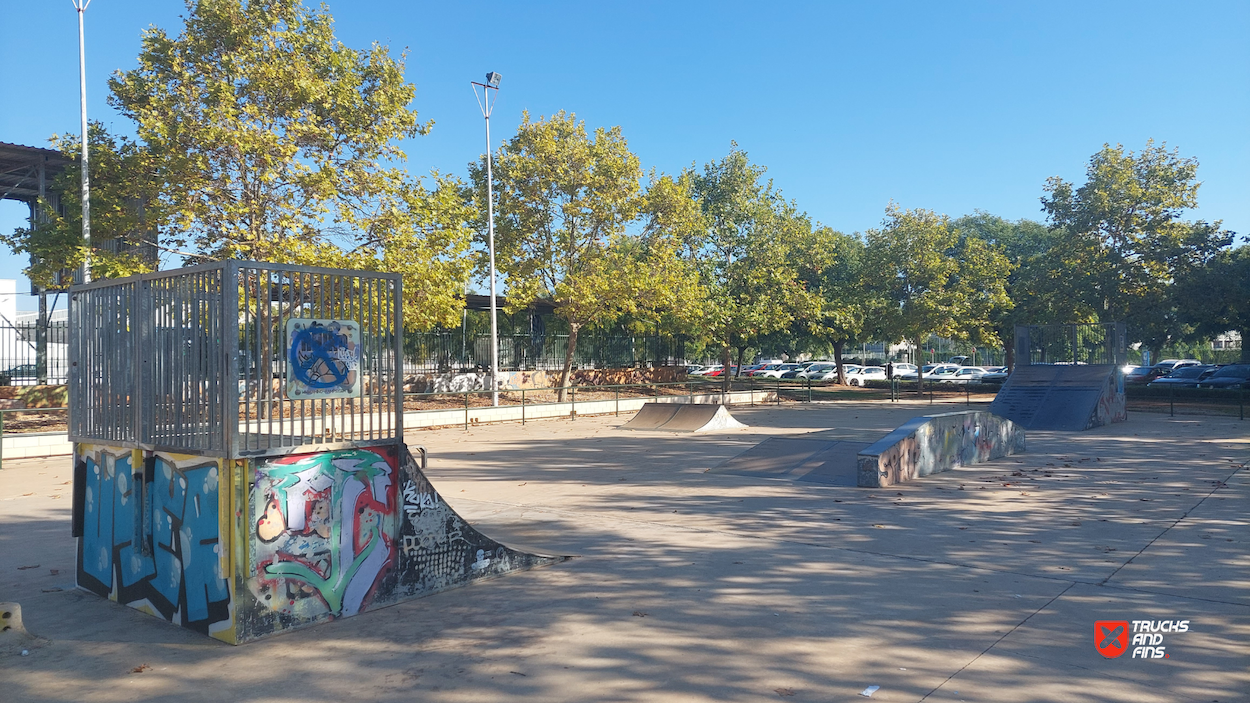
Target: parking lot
981 584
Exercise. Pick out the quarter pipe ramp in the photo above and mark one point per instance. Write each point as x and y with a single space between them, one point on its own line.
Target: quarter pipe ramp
1062 397
682 417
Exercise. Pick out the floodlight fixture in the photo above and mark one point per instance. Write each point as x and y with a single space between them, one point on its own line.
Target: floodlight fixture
492 79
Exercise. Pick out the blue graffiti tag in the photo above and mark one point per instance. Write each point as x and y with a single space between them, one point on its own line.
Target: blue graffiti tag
319 357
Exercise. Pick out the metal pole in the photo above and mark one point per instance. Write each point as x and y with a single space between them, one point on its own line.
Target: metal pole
490 238
522 406
81 6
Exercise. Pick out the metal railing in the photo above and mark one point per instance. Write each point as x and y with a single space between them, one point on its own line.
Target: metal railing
237 359
1092 343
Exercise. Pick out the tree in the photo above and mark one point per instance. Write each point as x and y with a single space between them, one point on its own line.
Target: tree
744 254
1046 283
271 140
124 211
1128 213
832 267
564 202
1216 298
931 281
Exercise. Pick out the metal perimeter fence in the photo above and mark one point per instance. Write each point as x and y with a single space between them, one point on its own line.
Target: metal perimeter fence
1092 343
33 354
457 351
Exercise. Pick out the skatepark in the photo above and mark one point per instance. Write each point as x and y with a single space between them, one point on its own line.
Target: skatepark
692 583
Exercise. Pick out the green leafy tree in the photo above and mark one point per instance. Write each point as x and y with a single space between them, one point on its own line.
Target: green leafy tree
564 203
271 140
832 267
1216 298
1046 283
744 254
932 281
124 212
1128 214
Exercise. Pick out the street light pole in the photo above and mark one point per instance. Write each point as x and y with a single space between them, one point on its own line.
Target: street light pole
81 6
492 83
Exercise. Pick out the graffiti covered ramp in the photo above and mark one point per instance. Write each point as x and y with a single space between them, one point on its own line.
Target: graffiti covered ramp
242 549
1062 397
682 417
806 458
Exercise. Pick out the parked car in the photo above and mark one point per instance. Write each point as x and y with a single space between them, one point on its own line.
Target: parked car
1142 375
705 370
694 369
1231 376
815 369
720 370
994 374
963 374
904 371
766 367
1184 377
938 371
778 371
1167 366
831 373
22 371
867 373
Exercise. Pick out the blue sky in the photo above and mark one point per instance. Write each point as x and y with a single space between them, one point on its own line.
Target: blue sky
951 106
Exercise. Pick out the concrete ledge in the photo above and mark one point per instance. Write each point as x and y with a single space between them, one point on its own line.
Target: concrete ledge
35 444
934 443
514 413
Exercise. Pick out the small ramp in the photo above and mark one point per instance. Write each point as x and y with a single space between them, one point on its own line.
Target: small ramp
682 417
1061 397
806 459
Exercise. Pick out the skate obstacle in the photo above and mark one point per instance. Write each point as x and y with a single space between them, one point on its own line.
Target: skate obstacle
242 493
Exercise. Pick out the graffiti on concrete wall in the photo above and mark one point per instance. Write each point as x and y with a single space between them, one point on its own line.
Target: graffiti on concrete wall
324 532
934 443
151 535
1112 406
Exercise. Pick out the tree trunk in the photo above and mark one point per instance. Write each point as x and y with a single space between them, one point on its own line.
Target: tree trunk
738 371
568 361
837 359
1010 357
1245 345
726 361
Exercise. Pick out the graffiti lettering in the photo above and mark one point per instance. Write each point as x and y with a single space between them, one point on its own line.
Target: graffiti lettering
162 552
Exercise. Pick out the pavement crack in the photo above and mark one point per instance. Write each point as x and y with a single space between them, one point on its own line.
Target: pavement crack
1175 522
995 642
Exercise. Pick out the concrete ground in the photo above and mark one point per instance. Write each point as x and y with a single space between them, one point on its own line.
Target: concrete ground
982 584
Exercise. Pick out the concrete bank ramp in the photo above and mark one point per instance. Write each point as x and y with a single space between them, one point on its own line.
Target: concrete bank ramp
1062 397
682 417
934 443
803 458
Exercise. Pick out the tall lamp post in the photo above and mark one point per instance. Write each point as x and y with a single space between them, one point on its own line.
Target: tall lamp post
492 83
81 6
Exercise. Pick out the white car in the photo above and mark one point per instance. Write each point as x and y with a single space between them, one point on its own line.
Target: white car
705 370
815 369
867 373
831 373
966 374
775 370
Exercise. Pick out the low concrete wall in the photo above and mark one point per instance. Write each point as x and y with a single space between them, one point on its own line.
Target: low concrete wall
935 443
514 413
35 444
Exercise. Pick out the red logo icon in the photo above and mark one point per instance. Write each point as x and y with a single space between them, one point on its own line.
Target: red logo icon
1111 637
